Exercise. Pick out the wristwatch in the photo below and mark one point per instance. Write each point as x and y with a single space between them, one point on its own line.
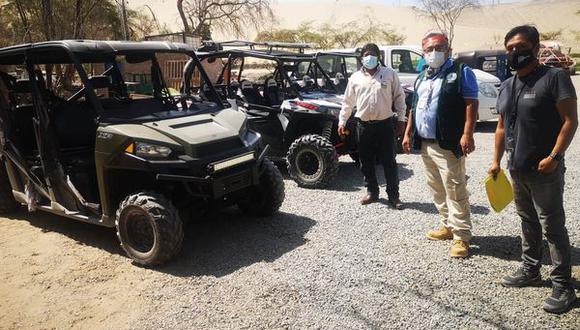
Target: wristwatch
556 156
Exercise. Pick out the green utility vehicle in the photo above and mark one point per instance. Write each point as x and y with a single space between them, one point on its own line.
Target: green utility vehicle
76 143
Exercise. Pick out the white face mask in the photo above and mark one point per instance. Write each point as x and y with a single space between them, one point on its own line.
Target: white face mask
435 59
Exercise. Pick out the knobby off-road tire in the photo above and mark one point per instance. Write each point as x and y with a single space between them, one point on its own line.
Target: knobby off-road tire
7 202
312 161
267 197
149 228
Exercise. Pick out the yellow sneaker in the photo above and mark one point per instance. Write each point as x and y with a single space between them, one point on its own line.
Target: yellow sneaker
459 249
441 234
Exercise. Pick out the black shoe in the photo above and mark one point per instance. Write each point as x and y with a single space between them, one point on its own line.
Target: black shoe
521 279
396 204
560 301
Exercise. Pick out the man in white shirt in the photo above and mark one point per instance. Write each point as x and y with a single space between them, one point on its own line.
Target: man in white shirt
374 90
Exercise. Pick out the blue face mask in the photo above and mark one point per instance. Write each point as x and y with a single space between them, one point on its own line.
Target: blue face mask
370 62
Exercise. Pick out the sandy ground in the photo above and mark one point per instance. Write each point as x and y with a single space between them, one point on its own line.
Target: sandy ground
58 274
481 28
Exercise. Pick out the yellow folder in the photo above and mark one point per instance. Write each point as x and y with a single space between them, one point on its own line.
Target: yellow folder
499 191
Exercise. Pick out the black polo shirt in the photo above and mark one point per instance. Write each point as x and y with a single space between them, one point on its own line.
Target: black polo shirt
532 122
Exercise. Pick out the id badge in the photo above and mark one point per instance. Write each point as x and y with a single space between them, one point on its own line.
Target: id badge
422 102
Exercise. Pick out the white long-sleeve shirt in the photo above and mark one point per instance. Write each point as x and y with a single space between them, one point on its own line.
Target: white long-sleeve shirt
373 96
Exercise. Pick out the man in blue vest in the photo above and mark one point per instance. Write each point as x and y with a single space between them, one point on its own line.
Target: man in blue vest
538 121
441 125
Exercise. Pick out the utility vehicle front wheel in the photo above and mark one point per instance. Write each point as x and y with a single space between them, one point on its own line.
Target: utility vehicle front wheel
149 228
7 202
312 161
267 197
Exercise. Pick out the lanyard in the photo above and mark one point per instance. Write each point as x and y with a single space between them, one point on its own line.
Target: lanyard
430 88
515 101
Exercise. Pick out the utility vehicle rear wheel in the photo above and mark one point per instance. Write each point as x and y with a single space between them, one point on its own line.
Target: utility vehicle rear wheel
7 202
149 228
267 197
312 161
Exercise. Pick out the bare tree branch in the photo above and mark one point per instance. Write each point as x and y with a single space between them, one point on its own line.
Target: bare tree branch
233 16
445 13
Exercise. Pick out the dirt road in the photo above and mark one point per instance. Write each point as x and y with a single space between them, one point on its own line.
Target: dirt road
323 262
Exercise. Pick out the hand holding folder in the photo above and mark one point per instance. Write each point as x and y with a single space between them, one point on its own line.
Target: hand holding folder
499 191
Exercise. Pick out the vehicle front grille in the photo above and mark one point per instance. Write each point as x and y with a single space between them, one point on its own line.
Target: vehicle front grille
236 182
217 147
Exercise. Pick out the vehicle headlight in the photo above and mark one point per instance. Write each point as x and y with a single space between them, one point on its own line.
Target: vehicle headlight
149 150
487 89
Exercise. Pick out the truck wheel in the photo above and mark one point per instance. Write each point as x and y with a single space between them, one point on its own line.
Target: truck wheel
267 197
312 161
7 202
149 228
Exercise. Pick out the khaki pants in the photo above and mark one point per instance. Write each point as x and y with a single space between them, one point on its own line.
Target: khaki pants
446 177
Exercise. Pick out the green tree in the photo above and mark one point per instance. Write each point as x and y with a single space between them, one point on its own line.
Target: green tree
349 35
551 35
304 33
40 20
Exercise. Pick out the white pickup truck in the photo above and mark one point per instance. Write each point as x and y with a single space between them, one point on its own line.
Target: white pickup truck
404 60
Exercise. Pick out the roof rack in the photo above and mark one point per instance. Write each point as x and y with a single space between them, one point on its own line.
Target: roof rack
268 45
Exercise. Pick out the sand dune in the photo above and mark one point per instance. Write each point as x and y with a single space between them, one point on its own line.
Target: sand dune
477 28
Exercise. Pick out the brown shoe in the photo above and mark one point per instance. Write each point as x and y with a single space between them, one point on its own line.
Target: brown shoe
396 204
441 234
368 199
459 249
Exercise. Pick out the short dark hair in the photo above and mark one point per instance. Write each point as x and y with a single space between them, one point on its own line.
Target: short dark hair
370 47
528 31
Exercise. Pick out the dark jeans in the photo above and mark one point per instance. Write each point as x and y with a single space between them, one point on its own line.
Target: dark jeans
377 141
539 203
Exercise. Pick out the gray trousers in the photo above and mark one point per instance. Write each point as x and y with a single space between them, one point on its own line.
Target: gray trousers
539 203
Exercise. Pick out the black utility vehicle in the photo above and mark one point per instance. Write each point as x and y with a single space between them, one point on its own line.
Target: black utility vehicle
288 98
75 142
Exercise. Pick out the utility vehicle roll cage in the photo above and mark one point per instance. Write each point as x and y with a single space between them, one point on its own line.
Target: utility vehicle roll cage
254 45
79 52
282 59
62 194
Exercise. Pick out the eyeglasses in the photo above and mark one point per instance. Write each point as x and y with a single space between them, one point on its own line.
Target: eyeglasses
437 48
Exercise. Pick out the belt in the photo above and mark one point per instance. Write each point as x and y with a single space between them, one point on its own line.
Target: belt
371 122
429 140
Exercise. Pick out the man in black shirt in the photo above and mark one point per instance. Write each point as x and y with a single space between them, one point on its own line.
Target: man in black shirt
538 121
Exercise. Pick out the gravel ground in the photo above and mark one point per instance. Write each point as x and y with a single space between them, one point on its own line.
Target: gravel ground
324 262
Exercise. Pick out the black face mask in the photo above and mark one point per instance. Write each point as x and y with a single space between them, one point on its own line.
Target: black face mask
519 59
